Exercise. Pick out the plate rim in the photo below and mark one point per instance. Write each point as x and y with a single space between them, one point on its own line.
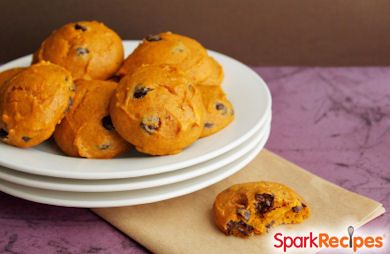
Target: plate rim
157 169
146 200
112 187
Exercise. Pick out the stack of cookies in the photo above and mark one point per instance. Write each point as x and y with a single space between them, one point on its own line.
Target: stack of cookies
166 95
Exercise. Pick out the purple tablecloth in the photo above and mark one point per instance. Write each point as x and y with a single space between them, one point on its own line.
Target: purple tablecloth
334 122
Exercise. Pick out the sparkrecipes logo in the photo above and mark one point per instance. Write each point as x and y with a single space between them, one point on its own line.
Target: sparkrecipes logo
328 241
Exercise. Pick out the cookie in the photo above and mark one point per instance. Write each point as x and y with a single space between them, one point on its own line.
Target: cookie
253 208
219 112
33 102
209 73
158 110
174 49
88 49
87 130
8 74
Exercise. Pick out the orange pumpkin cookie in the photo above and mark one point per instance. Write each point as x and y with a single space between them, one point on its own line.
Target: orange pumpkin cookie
88 49
33 102
87 130
157 110
253 208
219 111
173 49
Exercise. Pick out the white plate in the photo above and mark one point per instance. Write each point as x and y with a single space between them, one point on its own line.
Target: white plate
134 197
247 91
134 183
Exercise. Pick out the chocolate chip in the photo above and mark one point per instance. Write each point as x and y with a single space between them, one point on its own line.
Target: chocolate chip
107 123
265 202
304 205
3 133
153 37
141 91
70 103
221 107
104 146
151 124
82 51
244 213
297 209
66 78
80 27
269 225
26 139
239 227
208 125
241 200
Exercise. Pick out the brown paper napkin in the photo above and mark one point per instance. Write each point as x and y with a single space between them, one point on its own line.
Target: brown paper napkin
185 224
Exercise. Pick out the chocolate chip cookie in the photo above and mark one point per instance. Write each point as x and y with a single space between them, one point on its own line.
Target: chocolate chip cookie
88 49
158 110
87 130
33 102
174 49
253 208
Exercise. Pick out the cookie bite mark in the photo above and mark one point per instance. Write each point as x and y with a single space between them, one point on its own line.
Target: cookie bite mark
254 208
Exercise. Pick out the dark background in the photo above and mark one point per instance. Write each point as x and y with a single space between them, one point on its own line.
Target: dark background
257 32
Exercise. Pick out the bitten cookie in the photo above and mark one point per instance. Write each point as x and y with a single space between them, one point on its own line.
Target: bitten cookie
88 49
33 102
158 110
219 111
174 49
87 130
253 208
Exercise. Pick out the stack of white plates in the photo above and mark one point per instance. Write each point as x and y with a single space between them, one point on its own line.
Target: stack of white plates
44 174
